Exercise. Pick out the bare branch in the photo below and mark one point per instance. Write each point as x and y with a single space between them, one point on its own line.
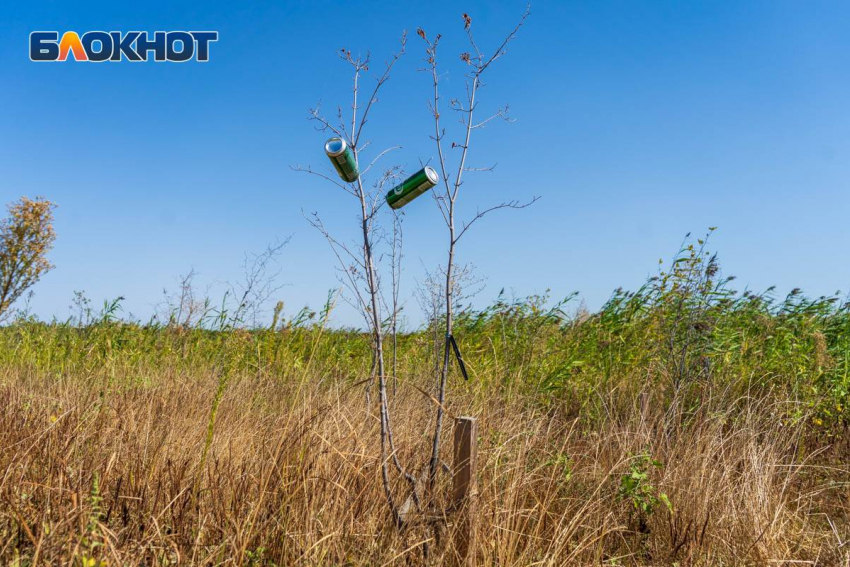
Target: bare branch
324 124
503 48
439 132
481 214
342 123
378 84
441 204
379 156
501 113
311 171
258 285
351 274
491 168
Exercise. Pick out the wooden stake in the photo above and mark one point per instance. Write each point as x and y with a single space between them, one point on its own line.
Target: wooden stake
644 406
465 489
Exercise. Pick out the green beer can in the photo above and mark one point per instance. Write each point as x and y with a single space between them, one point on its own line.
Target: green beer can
342 158
412 187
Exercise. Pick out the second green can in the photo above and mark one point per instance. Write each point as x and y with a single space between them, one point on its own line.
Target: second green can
412 187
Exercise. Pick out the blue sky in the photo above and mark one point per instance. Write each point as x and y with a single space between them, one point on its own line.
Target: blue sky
636 122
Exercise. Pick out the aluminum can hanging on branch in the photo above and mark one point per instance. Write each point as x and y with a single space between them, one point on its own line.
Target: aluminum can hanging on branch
412 187
342 159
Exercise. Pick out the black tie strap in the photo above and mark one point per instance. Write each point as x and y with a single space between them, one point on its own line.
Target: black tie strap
459 357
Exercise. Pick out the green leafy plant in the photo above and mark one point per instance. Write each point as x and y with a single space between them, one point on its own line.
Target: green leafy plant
636 486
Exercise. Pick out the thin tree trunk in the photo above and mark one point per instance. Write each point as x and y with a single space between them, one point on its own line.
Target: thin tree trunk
444 371
435 446
379 347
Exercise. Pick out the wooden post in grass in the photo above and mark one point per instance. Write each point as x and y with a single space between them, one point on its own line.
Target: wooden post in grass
465 488
643 425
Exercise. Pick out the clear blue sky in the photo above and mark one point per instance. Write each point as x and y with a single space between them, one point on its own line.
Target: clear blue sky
636 123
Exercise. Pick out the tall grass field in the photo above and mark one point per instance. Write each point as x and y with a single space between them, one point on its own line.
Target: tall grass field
681 424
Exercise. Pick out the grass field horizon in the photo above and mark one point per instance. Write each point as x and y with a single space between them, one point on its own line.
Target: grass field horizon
681 424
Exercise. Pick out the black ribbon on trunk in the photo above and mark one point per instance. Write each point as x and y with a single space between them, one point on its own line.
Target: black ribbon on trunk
459 357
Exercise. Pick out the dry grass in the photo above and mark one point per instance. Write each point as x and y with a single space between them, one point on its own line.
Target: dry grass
93 473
